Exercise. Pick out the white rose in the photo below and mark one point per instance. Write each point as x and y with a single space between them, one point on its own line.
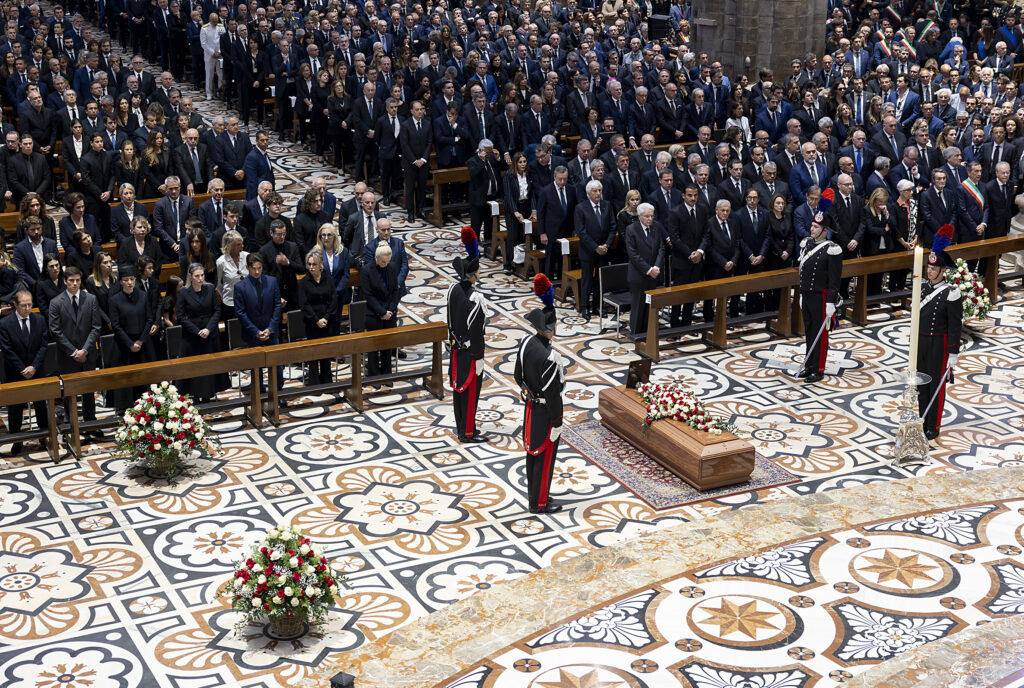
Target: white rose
275 555
158 426
281 579
262 579
293 562
310 591
199 435
172 414
295 601
334 589
277 600
257 568
156 447
256 601
304 549
164 384
239 582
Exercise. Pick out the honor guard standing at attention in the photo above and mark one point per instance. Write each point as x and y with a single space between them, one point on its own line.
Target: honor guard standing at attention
938 346
540 374
821 265
467 314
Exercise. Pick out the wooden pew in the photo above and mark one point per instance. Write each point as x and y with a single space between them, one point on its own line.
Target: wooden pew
354 346
144 374
534 262
570 276
40 389
438 179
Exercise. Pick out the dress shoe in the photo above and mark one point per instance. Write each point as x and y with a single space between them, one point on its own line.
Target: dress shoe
478 438
585 314
282 403
804 372
386 200
96 434
402 354
410 217
814 377
508 270
16 449
931 434
551 508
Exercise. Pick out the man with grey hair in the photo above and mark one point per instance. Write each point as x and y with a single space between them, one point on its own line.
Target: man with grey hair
645 248
955 171
556 206
484 186
723 250
593 222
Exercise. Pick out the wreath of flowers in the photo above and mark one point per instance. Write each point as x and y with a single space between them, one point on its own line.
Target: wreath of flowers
976 300
283 577
670 400
163 428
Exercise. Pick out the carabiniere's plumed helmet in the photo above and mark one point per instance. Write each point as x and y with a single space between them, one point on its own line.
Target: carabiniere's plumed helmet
938 256
465 268
542 320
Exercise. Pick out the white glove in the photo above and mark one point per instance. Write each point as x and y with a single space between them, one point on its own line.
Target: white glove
480 367
830 310
555 433
952 360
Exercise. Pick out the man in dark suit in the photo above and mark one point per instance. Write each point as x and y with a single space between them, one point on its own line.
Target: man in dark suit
480 121
620 179
234 148
642 117
556 204
810 172
23 340
671 116
113 138
416 140
1000 195
858 151
723 251
542 169
74 321
996 151
361 121
28 172
972 206
754 243
734 189
38 121
258 307
484 186
211 213
535 123
579 166
847 221
509 133
687 232
386 132
645 247
170 215
890 141
698 114
938 207
593 221
29 253
257 166
666 198
769 185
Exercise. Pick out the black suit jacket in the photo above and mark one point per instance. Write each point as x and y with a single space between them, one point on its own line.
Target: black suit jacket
480 173
727 190
593 231
19 352
416 145
26 174
687 236
722 249
186 170
645 253
1000 209
754 240
384 135
552 221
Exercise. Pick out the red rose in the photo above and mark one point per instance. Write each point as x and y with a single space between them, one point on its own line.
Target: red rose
263 550
280 593
266 607
295 576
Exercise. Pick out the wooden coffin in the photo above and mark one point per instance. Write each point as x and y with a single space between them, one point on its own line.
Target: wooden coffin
700 458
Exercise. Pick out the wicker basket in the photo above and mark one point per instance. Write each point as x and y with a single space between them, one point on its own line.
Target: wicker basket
287 626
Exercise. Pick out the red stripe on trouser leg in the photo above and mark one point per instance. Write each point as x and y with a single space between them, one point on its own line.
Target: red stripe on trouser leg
452 371
549 449
823 341
471 401
942 385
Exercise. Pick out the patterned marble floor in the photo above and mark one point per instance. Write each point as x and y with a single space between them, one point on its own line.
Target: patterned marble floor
111 578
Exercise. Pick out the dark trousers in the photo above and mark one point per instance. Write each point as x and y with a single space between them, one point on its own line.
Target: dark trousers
479 219
87 402
540 463
590 296
379 362
813 308
361 147
249 97
274 339
553 258
932 358
715 272
755 300
198 70
514 229
390 175
467 401
285 110
637 307
339 144
16 412
415 188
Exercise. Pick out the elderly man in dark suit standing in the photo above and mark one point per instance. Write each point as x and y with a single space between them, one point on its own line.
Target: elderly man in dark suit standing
415 140
645 246
723 250
556 204
23 339
74 321
484 186
593 222
169 217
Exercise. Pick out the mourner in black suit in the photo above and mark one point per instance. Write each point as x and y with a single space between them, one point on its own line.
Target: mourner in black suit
723 251
484 186
75 325
382 291
556 204
416 139
23 340
687 231
134 324
645 247
389 151
594 224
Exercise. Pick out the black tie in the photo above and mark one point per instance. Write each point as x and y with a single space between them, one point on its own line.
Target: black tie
259 293
24 327
74 303
220 216
725 230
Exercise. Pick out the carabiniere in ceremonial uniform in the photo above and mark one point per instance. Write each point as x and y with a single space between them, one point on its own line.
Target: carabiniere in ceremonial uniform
540 374
938 339
821 266
467 314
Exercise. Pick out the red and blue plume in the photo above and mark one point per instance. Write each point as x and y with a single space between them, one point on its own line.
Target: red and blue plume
543 289
828 197
470 242
943 238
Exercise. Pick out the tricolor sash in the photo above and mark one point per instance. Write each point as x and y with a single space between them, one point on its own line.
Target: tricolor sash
895 15
928 26
885 48
1008 35
974 192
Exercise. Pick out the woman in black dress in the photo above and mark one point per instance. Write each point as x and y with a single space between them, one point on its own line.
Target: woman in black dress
102 284
252 68
304 100
133 324
80 253
321 113
77 220
128 167
875 224
156 166
169 306
198 254
623 219
198 312
781 242
319 303
338 106
51 284
140 243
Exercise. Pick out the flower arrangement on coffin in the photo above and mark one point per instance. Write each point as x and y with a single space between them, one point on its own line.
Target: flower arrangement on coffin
976 301
670 400
162 430
285 580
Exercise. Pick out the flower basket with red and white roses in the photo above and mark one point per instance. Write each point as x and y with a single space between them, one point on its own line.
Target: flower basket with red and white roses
976 300
670 400
162 430
285 579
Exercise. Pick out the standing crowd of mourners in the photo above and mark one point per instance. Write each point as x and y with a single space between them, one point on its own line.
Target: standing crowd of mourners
575 116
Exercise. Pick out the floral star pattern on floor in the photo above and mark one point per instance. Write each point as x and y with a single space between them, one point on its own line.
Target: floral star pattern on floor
810 612
109 577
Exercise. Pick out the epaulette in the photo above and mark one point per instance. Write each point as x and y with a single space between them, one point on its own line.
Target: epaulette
835 249
803 242
954 293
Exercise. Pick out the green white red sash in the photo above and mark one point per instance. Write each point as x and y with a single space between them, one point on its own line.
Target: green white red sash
974 192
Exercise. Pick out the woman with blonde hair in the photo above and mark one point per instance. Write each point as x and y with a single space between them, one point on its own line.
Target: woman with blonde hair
230 271
625 217
336 262
876 226
318 300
